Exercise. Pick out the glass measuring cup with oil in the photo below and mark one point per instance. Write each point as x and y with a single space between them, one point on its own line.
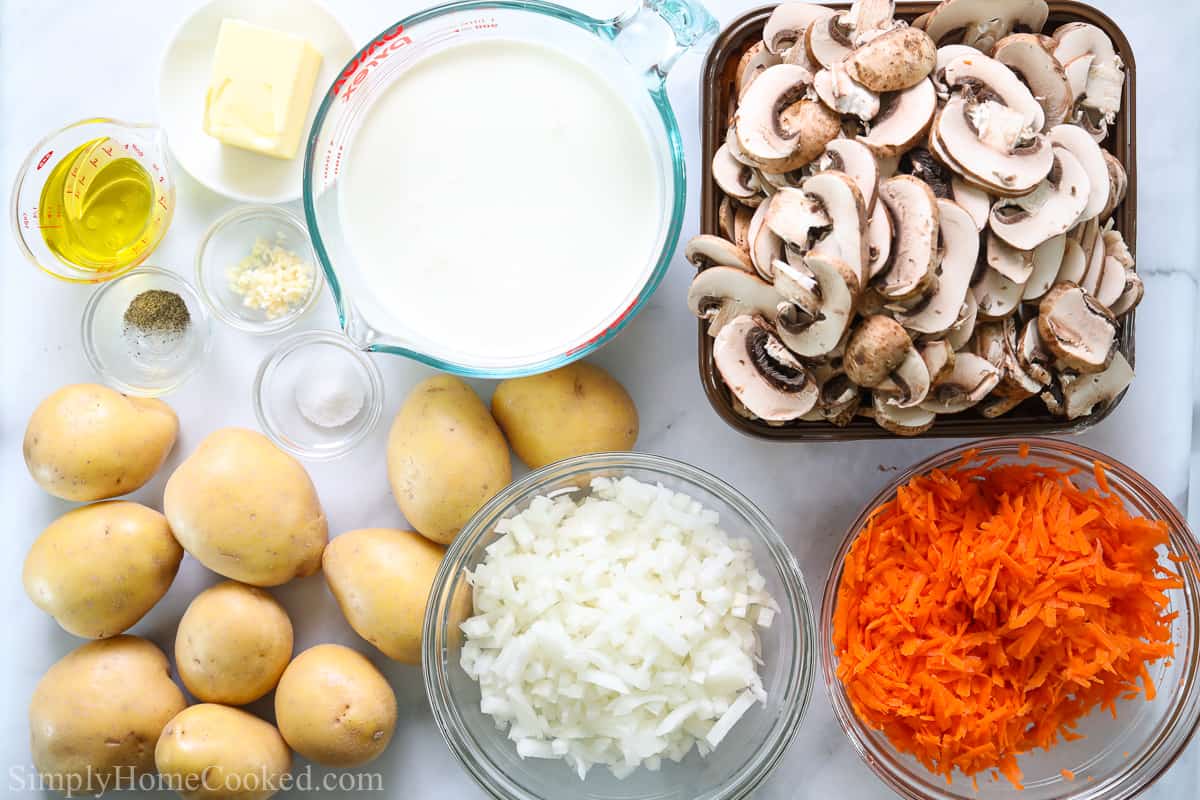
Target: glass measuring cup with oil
93 200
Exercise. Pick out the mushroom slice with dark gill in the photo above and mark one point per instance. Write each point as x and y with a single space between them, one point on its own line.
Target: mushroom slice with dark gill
796 217
1051 209
756 59
735 178
815 335
842 201
775 127
856 160
902 121
761 373
706 251
787 24
982 23
719 294
1077 330
1027 55
1091 158
972 379
1078 394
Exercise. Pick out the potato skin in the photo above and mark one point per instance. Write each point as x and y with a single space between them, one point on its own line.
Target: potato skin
98 569
570 411
381 580
232 644
334 708
87 442
247 510
214 752
446 457
101 708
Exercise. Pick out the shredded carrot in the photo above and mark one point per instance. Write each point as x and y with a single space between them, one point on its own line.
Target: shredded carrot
989 607
1068 774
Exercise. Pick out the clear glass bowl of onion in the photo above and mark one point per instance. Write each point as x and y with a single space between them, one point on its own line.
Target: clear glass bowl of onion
739 763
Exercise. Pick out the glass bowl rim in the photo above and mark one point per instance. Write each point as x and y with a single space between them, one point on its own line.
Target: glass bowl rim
203 326
798 676
219 310
675 195
372 401
1122 785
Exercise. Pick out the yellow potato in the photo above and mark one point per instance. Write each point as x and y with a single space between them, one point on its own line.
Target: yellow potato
381 580
334 708
98 569
213 752
571 411
233 643
97 713
247 510
446 457
88 442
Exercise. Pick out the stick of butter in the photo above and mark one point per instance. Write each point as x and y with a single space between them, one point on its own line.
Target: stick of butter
262 83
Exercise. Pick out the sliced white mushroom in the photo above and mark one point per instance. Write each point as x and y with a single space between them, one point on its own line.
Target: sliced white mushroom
972 140
719 294
706 251
828 40
939 357
786 26
1130 297
974 200
893 61
998 297
1118 184
760 372
946 54
1074 263
993 82
870 16
813 338
1077 330
903 421
1081 393
1014 264
765 247
1032 356
964 327
839 398
1027 56
756 59
1077 71
1091 158
915 214
982 23
960 250
856 160
841 200
1051 209
776 128
726 214
1101 97
880 232
796 216
972 379
903 119
735 178
841 93
1047 263
908 385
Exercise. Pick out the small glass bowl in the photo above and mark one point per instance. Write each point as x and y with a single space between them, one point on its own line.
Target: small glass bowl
139 364
742 761
306 368
1118 758
228 241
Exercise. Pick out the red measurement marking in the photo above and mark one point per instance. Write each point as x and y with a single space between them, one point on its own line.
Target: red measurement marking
107 151
45 158
615 324
372 56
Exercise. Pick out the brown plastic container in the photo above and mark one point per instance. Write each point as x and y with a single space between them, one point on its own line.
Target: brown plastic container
1031 417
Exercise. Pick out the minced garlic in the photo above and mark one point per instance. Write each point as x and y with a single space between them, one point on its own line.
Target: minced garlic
272 279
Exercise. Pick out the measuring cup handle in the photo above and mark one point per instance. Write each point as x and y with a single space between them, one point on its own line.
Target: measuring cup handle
641 37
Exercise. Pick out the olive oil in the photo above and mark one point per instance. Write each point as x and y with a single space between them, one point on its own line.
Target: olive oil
97 209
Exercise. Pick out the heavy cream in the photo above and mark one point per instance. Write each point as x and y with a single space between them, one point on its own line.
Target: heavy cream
501 201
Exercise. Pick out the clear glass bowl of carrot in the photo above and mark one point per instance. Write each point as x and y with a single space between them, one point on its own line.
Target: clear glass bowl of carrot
1114 632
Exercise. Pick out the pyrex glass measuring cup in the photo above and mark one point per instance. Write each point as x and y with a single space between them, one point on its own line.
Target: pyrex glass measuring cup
632 53
93 199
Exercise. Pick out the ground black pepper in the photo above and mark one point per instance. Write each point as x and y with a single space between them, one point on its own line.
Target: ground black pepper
157 311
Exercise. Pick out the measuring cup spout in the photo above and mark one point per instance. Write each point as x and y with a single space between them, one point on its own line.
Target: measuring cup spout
655 33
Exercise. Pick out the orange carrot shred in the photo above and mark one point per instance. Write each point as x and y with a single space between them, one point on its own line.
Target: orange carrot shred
989 607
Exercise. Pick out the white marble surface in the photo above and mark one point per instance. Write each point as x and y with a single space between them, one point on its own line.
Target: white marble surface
62 60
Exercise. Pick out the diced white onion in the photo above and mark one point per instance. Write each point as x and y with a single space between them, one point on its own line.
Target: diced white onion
617 628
